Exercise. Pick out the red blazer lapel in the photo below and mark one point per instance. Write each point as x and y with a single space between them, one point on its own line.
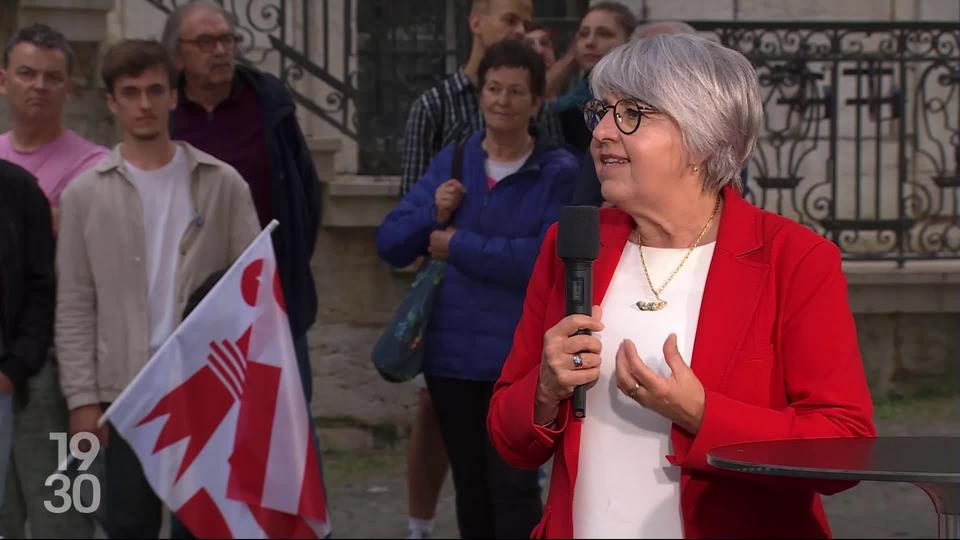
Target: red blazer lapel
734 284
733 288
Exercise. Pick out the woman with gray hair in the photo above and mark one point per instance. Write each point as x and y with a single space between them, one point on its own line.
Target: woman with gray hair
718 323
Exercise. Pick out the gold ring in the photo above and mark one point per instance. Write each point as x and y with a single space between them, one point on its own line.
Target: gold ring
635 390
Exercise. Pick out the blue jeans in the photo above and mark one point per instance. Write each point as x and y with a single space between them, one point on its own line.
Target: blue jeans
33 457
6 439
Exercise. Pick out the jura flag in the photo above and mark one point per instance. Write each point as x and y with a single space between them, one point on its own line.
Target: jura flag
218 416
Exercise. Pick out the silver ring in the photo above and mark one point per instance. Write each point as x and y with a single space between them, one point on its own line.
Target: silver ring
577 361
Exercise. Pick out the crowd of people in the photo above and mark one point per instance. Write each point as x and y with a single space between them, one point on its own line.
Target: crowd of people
101 249
715 322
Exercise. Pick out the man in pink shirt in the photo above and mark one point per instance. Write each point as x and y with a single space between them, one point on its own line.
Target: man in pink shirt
35 79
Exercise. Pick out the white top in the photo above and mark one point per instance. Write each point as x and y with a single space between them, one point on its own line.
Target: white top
167 211
625 486
498 170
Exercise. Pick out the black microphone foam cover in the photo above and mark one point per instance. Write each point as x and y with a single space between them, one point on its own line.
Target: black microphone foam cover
578 235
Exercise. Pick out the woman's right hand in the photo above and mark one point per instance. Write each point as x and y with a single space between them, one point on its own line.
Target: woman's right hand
558 373
448 198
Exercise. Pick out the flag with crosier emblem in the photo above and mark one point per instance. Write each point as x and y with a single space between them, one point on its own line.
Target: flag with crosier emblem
218 417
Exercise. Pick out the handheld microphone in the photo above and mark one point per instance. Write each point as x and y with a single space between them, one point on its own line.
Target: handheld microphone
578 243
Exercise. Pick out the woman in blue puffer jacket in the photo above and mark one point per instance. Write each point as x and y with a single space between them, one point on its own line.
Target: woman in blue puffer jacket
488 226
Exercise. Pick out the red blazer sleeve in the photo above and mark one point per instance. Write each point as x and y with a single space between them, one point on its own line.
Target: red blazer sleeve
510 417
825 386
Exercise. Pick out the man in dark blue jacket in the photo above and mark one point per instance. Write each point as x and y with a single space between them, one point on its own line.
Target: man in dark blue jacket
247 118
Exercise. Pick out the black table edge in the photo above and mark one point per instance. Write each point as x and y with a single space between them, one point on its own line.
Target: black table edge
802 472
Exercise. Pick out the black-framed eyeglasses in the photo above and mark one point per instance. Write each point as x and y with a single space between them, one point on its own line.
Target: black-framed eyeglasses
627 113
208 43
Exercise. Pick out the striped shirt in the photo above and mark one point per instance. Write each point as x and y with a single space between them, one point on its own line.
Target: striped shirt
445 114
448 114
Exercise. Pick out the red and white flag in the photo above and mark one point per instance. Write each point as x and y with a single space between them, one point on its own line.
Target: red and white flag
218 416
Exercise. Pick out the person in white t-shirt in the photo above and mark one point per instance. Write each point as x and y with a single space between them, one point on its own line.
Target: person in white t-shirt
716 322
140 231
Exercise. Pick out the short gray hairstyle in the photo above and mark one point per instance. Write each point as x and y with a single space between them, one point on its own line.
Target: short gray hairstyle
171 29
710 91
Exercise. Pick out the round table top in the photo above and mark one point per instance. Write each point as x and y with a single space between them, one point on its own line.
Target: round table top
894 459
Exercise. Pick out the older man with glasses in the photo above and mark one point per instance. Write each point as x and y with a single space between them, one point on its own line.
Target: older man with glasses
246 118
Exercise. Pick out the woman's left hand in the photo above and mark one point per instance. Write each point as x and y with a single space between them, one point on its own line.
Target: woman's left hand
440 243
679 397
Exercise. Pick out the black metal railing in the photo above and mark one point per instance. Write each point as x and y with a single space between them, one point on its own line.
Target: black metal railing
278 35
861 138
364 61
408 46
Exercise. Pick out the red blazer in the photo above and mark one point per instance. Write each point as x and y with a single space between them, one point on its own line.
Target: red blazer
776 351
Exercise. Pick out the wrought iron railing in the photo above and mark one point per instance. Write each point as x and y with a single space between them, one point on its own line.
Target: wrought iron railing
407 47
861 140
359 64
862 131
286 38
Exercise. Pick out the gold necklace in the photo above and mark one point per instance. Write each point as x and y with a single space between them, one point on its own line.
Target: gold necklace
660 303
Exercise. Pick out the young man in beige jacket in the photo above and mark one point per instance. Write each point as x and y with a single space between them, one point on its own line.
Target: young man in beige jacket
138 233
